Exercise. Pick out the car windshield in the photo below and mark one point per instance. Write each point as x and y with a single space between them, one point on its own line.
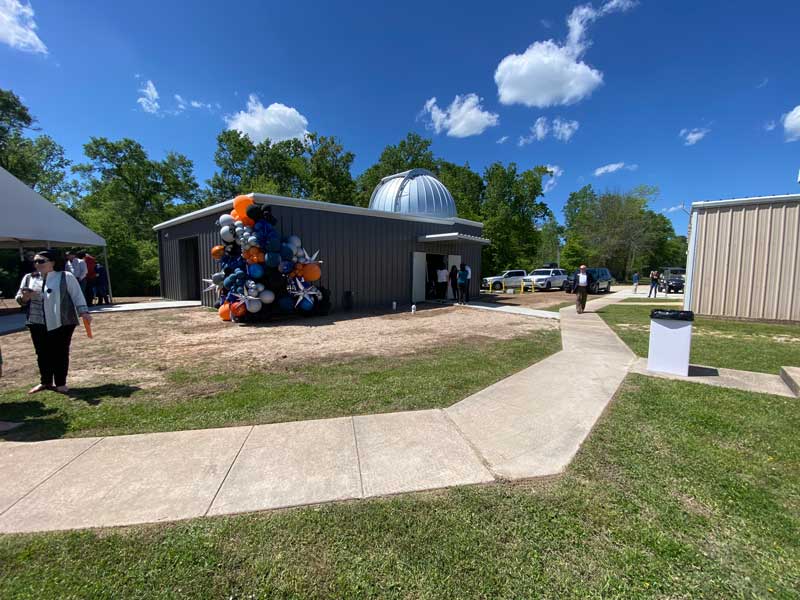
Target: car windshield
541 272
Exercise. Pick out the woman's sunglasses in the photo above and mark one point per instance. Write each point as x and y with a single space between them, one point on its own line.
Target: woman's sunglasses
41 261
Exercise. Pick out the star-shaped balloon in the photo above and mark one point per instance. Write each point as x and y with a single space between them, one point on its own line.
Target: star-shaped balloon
304 292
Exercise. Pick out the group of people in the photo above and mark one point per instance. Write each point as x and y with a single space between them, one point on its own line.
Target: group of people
90 274
654 275
458 278
54 300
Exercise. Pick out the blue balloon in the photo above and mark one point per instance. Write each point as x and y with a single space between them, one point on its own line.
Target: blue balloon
273 259
306 304
259 226
273 244
286 266
286 303
256 271
230 281
287 252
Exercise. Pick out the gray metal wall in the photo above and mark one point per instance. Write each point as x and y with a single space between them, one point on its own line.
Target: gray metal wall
747 261
368 256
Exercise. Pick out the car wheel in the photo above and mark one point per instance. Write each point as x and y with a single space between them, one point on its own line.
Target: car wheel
593 289
547 286
563 286
497 285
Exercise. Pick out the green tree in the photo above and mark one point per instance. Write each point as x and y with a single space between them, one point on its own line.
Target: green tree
413 152
233 157
328 170
125 194
466 187
510 214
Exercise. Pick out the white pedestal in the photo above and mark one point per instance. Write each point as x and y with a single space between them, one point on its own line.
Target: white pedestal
670 345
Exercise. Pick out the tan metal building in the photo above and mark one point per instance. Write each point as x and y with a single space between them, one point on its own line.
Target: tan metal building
744 258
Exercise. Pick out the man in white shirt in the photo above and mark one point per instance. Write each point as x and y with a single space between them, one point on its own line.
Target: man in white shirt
78 268
583 281
469 279
441 282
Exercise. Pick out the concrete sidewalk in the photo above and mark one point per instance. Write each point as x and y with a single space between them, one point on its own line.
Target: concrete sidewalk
516 428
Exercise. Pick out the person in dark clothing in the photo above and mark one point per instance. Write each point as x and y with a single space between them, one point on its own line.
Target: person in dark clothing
53 301
583 283
454 282
101 284
26 264
653 284
463 283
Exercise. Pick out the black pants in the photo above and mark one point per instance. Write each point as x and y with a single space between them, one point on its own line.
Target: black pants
441 290
463 292
454 285
653 289
52 352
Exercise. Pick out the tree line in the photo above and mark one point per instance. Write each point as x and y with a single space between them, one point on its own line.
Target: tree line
120 192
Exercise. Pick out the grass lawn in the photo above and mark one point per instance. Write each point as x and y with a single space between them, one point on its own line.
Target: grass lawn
681 491
433 378
645 299
763 347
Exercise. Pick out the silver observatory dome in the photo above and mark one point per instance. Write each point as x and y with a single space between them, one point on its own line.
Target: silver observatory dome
414 192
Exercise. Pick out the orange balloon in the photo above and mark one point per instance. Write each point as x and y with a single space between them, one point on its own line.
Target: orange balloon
225 311
247 221
311 272
235 215
238 309
217 252
240 204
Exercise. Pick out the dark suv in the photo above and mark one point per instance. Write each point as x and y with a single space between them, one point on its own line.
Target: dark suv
672 279
601 280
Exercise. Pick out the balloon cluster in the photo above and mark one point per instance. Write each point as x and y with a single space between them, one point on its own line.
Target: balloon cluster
260 272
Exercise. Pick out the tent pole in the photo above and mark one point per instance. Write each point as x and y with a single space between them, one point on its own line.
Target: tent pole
108 274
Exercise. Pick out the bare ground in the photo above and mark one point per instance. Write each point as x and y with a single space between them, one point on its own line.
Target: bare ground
528 299
141 347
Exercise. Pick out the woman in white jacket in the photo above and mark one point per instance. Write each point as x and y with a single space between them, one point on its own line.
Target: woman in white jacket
54 301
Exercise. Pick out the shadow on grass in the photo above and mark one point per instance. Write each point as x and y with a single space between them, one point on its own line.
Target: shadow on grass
95 395
39 422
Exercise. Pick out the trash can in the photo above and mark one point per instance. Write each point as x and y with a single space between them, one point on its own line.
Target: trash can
670 341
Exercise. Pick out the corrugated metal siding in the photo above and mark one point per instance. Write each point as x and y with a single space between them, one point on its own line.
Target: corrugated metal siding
370 257
747 261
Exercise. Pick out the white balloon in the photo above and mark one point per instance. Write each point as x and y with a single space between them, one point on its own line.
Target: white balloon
294 241
260 287
253 305
267 296
239 224
252 240
225 220
226 234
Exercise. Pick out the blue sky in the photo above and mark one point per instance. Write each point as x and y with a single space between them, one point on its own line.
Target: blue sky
701 99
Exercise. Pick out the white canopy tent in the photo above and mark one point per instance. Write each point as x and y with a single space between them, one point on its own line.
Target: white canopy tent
27 220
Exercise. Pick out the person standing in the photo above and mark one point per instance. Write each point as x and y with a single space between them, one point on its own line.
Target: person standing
90 262
583 282
454 282
635 281
469 279
463 282
53 302
653 284
101 284
77 267
441 282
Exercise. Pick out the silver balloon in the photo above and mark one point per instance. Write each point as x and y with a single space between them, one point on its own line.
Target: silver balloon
226 234
253 305
267 296
294 241
260 287
239 224
225 220
218 278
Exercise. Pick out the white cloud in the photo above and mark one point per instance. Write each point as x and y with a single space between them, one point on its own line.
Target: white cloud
770 125
564 130
18 28
692 136
549 73
673 209
546 23
612 167
464 117
198 104
502 140
791 124
277 121
149 98
561 129
181 102
763 83
555 173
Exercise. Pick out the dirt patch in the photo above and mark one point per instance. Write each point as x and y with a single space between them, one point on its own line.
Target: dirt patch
528 299
142 347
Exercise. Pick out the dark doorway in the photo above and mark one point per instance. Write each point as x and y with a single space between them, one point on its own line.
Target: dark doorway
435 290
189 259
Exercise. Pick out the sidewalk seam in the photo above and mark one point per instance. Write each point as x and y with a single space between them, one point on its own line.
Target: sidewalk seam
53 474
358 455
472 446
225 478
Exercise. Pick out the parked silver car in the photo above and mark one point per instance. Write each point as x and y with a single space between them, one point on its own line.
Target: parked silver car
509 279
546 279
